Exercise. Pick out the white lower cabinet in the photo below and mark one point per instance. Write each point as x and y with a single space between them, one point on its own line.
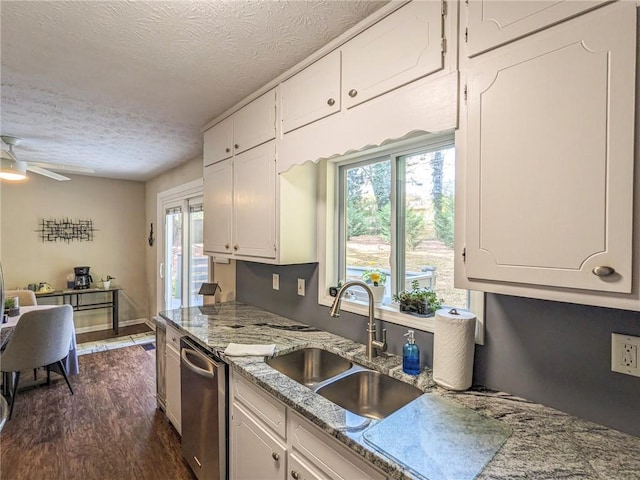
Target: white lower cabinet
255 452
260 448
173 386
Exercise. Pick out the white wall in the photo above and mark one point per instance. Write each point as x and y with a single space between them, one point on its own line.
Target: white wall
117 208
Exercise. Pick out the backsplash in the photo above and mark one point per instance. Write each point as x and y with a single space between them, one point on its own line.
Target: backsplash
556 354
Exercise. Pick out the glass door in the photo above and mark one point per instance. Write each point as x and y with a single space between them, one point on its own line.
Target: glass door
186 266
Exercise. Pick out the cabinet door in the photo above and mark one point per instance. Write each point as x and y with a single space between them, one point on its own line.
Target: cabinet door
255 454
401 48
550 156
218 197
254 199
312 94
495 22
255 123
218 142
173 387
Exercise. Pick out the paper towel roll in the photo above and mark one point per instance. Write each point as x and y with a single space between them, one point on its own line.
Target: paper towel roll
453 345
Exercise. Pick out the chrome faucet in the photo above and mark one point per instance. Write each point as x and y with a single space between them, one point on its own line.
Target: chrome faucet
373 344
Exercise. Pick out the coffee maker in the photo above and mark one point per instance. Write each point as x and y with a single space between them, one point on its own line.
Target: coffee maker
83 279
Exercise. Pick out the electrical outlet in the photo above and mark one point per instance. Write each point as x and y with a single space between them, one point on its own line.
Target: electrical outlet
301 287
624 354
276 281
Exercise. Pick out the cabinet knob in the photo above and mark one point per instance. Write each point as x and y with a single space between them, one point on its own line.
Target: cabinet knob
236 246
331 102
353 92
275 456
226 245
236 146
295 474
603 271
227 149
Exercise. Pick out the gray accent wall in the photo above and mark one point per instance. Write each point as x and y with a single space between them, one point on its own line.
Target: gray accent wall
553 353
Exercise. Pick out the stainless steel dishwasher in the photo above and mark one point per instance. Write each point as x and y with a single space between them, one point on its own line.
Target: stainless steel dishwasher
204 384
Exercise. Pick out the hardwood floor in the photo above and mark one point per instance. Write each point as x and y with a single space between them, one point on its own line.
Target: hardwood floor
110 428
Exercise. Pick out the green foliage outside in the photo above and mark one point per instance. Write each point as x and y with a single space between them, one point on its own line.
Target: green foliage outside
444 220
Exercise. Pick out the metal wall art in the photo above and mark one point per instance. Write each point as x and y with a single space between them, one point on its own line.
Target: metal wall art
66 230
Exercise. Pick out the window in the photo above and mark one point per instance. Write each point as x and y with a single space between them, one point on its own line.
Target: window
184 255
183 266
395 211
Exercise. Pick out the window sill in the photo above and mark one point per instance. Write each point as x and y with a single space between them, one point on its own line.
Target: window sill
390 314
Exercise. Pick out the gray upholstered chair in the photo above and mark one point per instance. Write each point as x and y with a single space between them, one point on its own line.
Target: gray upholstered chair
41 338
26 298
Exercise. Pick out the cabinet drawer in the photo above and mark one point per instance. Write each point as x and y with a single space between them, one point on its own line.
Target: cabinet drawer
334 460
173 338
261 404
300 469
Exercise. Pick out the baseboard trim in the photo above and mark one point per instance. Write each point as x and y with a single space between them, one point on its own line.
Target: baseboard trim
107 326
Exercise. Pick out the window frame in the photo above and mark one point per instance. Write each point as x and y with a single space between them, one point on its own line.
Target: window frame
330 228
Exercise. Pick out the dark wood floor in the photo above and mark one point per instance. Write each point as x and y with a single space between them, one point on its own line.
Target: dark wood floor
110 428
103 334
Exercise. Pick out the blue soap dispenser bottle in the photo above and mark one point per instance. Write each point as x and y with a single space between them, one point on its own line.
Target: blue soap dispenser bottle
410 355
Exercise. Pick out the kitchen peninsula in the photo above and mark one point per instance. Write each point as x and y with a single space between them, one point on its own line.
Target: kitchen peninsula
542 443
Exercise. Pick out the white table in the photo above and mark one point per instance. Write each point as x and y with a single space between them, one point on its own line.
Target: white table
70 362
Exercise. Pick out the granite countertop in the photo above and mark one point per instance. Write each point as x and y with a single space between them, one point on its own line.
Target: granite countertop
541 443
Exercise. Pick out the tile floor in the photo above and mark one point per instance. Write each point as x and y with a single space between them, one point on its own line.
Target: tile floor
116 342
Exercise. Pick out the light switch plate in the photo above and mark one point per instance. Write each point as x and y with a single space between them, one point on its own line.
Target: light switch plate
276 281
625 351
301 287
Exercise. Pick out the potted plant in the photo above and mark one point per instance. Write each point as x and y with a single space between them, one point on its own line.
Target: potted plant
376 280
107 283
10 308
419 300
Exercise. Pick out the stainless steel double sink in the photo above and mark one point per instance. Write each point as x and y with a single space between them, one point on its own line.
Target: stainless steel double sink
361 391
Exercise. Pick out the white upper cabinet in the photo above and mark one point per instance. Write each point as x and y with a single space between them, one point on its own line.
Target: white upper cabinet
218 207
254 214
550 156
254 192
397 50
312 94
255 123
495 22
218 142
252 125
239 204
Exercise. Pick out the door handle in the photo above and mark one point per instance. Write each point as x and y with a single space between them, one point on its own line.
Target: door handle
194 368
161 269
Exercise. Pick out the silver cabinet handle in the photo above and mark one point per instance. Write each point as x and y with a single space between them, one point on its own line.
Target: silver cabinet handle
295 474
353 92
275 456
331 102
603 271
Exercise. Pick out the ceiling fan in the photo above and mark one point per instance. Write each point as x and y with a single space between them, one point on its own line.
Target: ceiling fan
13 169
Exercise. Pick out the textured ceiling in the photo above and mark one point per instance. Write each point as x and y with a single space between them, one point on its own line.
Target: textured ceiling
125 87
